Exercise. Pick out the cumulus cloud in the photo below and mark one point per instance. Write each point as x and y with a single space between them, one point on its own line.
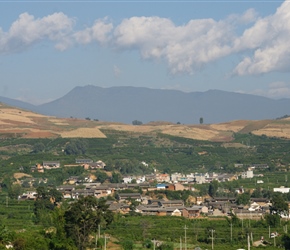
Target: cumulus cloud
99 32
27 30
269 38
185 48
247 17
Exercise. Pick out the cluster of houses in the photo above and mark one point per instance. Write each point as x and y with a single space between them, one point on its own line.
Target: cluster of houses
197 178
159 207
86 163
203 206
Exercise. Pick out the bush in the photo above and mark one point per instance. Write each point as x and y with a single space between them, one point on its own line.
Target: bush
127 245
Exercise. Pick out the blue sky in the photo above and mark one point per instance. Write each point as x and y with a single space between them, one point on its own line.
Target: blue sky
49 47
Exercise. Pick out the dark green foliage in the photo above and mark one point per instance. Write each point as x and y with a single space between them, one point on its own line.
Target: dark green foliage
257 193
127 244
136 122
45 202
286 241
38 147
272 220
14 191
76 147
166 246
243 199
279 206
83 217
213 187
101 176
175 195
116 178
31 241
6 236
148 243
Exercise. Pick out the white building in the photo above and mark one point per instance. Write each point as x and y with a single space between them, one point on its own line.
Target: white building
247 174
282 190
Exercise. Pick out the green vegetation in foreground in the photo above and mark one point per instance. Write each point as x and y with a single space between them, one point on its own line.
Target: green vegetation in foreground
42 225
71 226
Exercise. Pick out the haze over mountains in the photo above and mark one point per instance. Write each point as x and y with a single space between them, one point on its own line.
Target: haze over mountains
125 104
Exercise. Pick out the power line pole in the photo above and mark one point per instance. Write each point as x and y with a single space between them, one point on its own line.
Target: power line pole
105 242
99 231
231 232
185 245
212 231
252 240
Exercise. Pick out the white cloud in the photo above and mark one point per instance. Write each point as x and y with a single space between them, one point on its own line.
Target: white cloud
27 30
99 32
185 48
247 17
275 90
269 37
117 71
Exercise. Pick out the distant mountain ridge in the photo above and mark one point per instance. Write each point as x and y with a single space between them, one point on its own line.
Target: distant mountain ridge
125 104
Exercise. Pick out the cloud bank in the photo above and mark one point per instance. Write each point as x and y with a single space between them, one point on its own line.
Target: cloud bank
185 48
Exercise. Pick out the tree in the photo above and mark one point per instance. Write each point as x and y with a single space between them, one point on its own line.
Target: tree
83 217
279 206
257 193
38 147
127 244
45 202
101 176
272 220
243 199
201 120
14 191
5 235
116 178
286 241
76 147
136 122
213 187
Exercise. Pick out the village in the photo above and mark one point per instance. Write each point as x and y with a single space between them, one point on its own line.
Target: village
134 193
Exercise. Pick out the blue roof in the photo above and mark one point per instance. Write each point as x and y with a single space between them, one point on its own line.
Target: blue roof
161 185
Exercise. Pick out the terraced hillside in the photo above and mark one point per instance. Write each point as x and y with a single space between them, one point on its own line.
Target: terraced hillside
15 122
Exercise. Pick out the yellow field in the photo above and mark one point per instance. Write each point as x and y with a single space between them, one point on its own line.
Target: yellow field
27 124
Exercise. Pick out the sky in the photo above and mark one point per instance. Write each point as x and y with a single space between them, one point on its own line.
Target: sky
49 47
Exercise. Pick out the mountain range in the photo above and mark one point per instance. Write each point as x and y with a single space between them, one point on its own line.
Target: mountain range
125 104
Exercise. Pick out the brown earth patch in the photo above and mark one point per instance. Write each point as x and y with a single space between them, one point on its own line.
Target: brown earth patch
20 175
83 133
22 123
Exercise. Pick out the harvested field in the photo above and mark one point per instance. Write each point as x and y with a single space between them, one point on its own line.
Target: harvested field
21 123
83 133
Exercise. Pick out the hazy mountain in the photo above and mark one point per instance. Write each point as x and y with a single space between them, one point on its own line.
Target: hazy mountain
16 103
125 104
